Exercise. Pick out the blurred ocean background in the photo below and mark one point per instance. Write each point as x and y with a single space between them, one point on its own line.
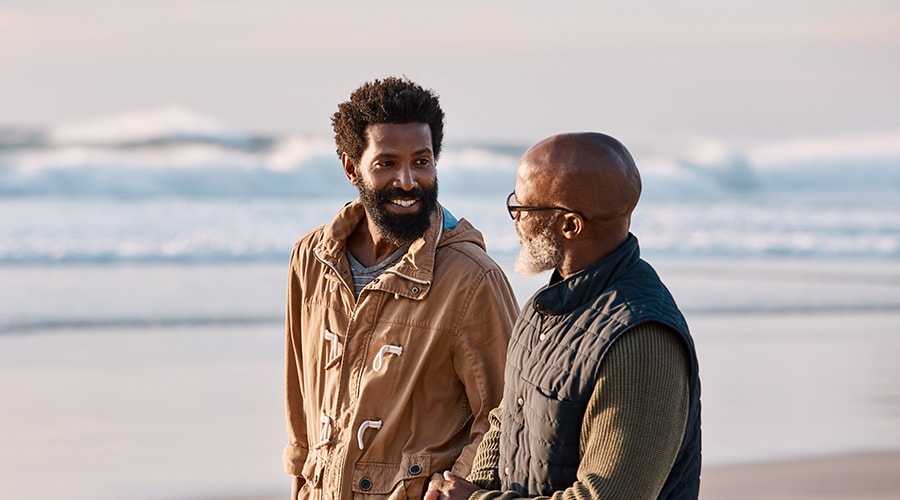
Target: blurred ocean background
173 186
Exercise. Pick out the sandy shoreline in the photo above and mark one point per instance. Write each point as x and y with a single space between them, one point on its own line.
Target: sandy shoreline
165 393
858 476
861 476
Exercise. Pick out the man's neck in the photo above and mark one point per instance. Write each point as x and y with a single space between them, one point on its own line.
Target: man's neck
367 246
589 252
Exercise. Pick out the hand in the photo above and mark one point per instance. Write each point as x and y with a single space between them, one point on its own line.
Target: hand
449 487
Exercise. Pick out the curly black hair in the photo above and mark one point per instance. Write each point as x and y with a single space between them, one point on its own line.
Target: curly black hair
391 100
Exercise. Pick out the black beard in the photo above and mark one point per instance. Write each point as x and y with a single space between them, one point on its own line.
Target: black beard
398 229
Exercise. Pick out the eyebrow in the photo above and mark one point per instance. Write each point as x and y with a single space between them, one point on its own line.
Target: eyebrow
388 154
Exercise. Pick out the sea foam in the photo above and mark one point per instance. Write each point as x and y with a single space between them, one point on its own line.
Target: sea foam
172 185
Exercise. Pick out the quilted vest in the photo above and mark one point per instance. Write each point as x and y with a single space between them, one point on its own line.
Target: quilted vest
554 356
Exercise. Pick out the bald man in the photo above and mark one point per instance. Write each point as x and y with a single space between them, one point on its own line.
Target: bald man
602 391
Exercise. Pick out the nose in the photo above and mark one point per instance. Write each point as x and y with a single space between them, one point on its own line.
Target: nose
406 179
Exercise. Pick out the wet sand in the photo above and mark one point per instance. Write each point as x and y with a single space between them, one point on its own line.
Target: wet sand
864 476
798 359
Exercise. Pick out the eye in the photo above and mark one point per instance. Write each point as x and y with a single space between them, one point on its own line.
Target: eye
384 164
423 162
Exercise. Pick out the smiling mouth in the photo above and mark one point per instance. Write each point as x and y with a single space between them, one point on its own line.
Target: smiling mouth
404 203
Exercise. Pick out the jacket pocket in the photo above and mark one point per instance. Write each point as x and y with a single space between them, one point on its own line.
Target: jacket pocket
393 480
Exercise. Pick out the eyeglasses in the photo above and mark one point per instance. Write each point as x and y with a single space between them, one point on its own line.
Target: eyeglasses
512 205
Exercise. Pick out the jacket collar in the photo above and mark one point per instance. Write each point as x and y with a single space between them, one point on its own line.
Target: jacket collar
562 296
416 266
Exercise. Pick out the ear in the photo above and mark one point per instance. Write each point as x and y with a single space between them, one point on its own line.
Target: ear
572 226
349 167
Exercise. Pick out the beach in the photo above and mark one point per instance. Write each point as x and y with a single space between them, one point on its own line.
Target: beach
158 160
869 476
858 476
173 390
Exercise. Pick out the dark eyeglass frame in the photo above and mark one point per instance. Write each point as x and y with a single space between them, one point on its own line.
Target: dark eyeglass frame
515 209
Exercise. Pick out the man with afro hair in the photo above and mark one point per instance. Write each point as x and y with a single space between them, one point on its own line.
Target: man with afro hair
397 320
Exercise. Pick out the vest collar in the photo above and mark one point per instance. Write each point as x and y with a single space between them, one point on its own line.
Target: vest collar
562 296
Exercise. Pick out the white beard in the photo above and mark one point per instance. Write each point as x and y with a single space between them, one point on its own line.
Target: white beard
539 253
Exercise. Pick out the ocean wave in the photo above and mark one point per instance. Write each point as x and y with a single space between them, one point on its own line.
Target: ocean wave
157 126
174 186
13 326
58 231
866 162
177 152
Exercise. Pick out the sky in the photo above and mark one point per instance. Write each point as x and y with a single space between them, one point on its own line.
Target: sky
506 70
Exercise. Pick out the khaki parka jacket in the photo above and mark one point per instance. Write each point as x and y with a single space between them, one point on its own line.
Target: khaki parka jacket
386 389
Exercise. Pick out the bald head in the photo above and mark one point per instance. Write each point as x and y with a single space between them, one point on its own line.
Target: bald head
593 178
588 172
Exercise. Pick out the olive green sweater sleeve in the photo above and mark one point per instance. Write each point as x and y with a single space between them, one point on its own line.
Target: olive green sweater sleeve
633 425
484 467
